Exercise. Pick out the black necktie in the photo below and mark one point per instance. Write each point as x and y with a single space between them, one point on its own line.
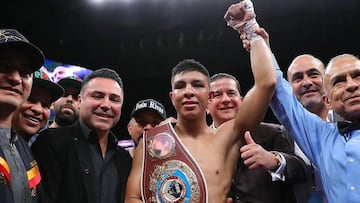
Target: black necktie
347 126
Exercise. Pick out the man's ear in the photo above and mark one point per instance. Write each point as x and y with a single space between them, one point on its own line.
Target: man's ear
326 102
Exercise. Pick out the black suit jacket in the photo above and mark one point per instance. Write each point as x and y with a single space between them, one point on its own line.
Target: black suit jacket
255 186
66 168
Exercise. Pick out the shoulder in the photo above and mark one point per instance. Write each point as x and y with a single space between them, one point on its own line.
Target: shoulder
268 128
55 137
269 131
274 126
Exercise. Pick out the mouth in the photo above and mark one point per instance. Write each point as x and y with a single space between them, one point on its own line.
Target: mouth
32 119
351 98
12 90
309 93
103 115
67 108
189 104
227 106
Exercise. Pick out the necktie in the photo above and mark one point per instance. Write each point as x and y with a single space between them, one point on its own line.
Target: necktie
347 126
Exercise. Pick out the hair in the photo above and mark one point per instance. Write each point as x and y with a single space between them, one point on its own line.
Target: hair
102 73
218 76
188 65
332 60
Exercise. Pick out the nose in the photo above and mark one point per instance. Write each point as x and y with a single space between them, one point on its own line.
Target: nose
307 82
189 91
147 127
351 85
37 108
105 104
69 98
225 98
14 77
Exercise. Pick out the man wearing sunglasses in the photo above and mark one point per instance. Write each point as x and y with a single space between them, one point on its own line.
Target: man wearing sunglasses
66 108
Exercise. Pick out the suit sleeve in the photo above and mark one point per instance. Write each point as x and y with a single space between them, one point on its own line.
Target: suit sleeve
296 169
50 169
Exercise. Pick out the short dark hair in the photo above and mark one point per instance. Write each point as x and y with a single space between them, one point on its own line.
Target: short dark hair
188 65
103 73
218 76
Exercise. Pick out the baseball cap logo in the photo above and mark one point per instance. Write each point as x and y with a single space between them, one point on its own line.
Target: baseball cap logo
156 107
140 106
149 104
6 36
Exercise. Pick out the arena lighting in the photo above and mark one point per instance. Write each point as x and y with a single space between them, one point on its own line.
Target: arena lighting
100 2
97 1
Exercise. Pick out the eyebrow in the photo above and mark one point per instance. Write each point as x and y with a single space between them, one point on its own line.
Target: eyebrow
341 77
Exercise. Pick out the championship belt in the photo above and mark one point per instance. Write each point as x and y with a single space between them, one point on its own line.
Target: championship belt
170 173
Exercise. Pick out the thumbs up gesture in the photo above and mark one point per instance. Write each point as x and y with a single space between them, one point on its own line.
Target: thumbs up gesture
255 156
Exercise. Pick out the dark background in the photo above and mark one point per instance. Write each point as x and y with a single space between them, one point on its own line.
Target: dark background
143 39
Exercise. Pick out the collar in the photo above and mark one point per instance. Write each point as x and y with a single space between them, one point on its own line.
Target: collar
86 132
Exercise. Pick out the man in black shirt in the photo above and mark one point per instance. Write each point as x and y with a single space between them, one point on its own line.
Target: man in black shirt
82 162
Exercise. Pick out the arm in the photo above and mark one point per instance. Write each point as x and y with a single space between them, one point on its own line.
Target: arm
133 186
255 104
291 113
49 165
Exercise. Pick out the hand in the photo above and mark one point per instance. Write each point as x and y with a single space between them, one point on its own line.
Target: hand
169 119
229 200
256 157
240 13
260 31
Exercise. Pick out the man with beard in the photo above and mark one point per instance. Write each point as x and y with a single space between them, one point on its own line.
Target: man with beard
67 107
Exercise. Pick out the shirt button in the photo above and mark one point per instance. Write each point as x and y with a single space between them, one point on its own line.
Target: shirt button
352 188
87 171
351 160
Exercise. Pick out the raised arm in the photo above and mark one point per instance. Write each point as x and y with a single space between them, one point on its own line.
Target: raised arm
241 17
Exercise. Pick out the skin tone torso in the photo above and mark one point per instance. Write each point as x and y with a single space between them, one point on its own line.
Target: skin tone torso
216 151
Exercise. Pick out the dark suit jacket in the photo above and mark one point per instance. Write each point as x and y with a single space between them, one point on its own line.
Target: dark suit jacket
256 185
66 168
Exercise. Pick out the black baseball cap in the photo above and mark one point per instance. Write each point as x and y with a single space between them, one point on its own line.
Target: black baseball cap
71 81
12 39
41 79
149 104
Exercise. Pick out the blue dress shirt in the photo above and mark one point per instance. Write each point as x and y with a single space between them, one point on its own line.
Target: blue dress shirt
337 157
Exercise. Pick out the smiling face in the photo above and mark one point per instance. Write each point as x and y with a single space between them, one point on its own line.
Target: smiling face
100 104
342 85
305 76
33 114
15 78
190 93
224 100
